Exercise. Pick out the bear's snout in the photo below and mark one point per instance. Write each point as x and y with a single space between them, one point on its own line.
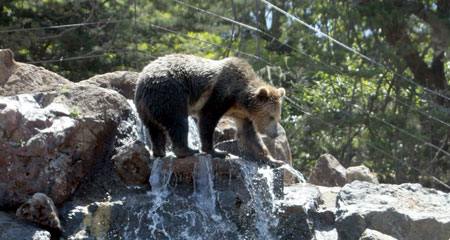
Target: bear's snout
272 132
273 135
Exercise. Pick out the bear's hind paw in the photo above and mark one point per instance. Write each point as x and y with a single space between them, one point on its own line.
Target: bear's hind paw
182 153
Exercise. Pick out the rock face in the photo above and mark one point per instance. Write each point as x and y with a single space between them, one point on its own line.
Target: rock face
406 211
327 172
40 210
198 197
51 140
17 230
361 173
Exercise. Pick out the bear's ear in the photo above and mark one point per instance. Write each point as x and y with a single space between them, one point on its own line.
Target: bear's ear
282 92
262 93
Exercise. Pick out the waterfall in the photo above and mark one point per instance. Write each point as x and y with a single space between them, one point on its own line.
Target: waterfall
205 204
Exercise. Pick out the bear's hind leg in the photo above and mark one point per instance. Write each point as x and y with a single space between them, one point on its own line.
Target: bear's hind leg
208 119
178 131
158 137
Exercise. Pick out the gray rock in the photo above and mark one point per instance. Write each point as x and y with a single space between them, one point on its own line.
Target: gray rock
131 163
294 219
18 230
40 210
328 197
327 172
370 234
406 211
123 82
350 225
361 173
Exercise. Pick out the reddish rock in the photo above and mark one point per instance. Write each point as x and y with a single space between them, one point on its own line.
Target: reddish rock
327 172
40 210
131 163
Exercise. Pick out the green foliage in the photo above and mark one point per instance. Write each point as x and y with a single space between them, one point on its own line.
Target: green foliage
338 102
74 112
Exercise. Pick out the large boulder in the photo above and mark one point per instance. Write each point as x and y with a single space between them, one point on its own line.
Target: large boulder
327 172
406 211
51 140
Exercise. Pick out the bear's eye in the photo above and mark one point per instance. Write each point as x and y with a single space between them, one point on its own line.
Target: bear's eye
272 118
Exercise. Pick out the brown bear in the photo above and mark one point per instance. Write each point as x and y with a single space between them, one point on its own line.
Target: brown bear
175 86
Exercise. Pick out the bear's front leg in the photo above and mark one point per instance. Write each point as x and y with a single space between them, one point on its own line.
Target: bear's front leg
207 126
209 116
250 139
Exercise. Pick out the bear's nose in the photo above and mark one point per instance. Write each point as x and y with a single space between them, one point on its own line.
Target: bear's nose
274 134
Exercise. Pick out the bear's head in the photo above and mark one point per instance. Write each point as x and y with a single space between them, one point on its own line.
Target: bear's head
265 110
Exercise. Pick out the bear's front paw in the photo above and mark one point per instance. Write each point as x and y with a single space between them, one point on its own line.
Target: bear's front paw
272 162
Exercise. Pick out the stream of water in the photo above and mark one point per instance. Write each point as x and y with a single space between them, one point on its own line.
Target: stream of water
243 207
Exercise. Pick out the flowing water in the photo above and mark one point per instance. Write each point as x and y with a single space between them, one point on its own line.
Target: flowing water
210 205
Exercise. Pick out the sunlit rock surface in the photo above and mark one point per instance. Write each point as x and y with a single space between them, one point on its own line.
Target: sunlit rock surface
406 211
50 141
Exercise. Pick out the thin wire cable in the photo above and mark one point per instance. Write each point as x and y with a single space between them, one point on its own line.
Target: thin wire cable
217 45
370 145
252 28
229 49
292 48
265 61
135 37
62 26
402 130
63 59
353 50
247 54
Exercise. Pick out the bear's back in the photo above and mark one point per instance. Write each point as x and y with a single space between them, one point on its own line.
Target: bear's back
180 67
